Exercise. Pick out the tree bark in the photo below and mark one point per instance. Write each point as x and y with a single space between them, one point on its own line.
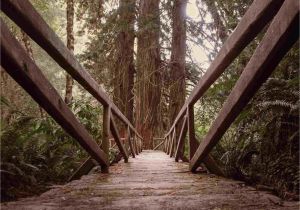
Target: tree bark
148 119
124 65
177 71
70 45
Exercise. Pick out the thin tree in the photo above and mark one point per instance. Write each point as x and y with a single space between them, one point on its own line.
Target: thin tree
70 45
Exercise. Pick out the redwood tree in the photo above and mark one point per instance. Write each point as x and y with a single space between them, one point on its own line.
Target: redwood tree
124 65
177 71
148 72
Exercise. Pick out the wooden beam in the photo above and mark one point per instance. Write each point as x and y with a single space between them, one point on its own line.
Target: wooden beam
115 134
159 145
84 169
105 134
256 17
30 21
182 136
193 143
130 142
19 66
135 145
173 143
279 38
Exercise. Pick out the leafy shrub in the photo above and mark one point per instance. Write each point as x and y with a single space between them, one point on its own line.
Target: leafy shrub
36 152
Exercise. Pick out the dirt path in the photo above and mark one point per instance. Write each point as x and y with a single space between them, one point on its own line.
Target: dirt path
152 181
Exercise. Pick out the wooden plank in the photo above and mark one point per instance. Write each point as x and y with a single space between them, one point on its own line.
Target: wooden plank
19 66
115 134
193 144
27 18
182 135
256 17
280 36
130 142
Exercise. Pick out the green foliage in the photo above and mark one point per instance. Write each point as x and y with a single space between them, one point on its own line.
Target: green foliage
36 152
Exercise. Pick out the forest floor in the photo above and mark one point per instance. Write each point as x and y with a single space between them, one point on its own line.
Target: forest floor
152 180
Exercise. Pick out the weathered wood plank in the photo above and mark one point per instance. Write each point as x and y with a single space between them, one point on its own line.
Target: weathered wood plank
115 134
27 18
19 66
280 36
182 135
256 17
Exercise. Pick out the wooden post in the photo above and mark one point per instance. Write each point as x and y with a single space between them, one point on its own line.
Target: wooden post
105 134
191 130
170 143
115 134
135 145
130 142
173 142
182 135
25 72
282 33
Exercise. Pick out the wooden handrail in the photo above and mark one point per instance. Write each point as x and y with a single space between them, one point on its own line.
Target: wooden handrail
115 134
282 33
257 16
279 38
20 66
27 18
30 21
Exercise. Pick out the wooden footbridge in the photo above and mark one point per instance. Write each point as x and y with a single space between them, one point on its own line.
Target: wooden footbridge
152 180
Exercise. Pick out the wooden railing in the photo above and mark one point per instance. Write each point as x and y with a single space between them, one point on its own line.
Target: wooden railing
281 34
20 67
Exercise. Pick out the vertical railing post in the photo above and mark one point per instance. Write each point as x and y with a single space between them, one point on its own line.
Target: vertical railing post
173 142
169 144
135 144
129 139
191 131
105 134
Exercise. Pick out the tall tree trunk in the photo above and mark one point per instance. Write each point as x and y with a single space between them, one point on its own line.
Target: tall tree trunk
177 72
28 48
148 72
123 80
70 45
124 65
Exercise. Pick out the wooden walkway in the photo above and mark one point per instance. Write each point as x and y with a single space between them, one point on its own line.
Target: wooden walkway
152 180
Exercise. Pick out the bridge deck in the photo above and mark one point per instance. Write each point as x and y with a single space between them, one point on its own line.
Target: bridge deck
152 181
